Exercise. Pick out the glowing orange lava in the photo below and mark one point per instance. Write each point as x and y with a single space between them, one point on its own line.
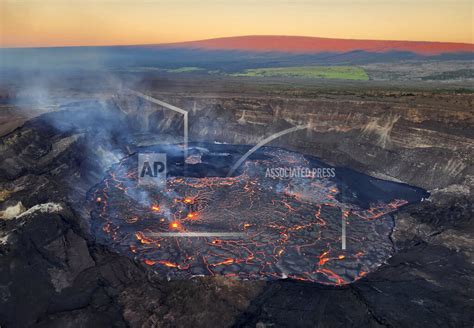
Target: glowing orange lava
225 262
175 225
149 262
168 264
142 239
270 229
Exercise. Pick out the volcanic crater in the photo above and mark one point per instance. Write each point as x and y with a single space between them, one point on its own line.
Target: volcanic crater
85 219
248 225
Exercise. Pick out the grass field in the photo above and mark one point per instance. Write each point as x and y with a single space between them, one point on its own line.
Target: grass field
311 72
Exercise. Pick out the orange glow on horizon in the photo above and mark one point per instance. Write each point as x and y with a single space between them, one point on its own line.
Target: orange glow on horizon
33 23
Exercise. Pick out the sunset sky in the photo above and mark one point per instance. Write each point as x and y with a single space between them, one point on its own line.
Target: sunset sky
31 23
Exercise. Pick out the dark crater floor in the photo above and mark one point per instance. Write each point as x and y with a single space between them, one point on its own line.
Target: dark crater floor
250 225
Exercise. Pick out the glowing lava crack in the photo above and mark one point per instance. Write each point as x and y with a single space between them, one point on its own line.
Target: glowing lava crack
249 225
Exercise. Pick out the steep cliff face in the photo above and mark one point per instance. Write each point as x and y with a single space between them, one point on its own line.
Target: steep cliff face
409 138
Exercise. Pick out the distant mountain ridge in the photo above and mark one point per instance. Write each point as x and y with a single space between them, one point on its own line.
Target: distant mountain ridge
308 45
235 54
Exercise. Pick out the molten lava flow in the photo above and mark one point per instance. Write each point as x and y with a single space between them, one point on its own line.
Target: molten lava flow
142 239
175 225
192 216
276 228
168 264
225 262
149 262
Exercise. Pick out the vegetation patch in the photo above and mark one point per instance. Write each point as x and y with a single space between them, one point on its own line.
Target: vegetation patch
312 72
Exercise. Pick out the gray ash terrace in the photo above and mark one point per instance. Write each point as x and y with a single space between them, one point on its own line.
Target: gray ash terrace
248 225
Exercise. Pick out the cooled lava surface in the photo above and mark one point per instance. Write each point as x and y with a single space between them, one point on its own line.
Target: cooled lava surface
249 225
